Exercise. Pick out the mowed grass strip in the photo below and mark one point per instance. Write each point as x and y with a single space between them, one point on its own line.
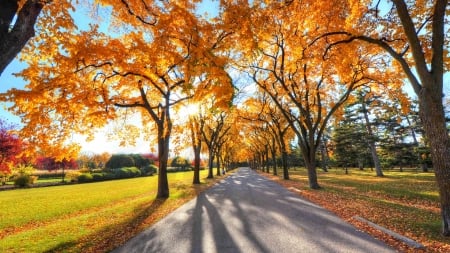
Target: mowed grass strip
405 202
93 217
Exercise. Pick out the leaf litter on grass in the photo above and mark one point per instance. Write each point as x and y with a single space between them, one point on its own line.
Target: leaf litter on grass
407 216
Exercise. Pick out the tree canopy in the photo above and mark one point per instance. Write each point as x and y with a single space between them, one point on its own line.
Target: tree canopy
308 58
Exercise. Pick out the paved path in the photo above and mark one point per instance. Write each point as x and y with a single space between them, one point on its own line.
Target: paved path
249 213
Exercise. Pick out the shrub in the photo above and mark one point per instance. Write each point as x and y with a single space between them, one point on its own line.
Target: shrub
85 177
47 174
149 170
119 161
108 176
140 161
23 180
127 172
34 179
180 162
72 175
23 170
154 168
99 176
173 169
127 160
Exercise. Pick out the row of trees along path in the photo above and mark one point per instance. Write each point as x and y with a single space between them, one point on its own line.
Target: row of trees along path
307 57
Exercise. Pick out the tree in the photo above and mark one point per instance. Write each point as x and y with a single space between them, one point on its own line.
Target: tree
364 101
351 140
120 161
52 163
261 109
213 128
100 160
195 128
93 160
413 34
222 138
306 88
11 147
90 79
396 132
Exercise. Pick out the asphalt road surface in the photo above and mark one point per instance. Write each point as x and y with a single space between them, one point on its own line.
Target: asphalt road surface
248 213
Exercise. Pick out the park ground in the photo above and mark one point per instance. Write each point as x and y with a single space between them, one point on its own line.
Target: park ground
404 202
98 217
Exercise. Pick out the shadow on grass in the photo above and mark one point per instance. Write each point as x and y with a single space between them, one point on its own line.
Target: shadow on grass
113 235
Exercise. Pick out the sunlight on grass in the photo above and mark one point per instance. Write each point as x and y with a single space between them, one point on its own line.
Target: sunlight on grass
432 194
75 217
41 204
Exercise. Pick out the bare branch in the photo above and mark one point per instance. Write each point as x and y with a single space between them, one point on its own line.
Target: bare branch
140 18
382 43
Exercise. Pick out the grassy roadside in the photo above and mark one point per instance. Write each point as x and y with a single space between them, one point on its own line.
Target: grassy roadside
94 217
405 202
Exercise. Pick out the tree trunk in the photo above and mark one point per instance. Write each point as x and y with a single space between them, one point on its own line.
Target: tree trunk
274 161
196 146
324 154
310 162
14 36
312 173
371 142
218 164
62 175
196 179
284 164
210 164
163 156
433 119
424 167
284 159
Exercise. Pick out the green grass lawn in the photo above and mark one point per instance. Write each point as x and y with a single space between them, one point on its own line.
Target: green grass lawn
73 218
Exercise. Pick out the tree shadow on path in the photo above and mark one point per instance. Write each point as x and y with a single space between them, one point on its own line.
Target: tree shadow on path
248 213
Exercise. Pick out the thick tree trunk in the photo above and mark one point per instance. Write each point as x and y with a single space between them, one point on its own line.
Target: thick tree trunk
14 36
310 162
312 173
433 119
163 156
